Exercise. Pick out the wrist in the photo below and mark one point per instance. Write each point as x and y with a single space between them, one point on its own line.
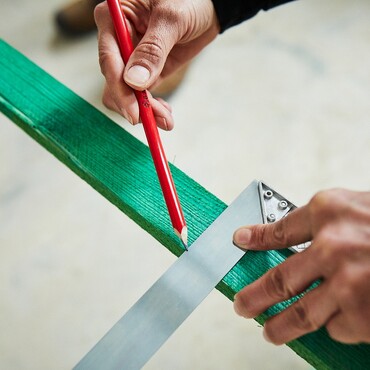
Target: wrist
232 12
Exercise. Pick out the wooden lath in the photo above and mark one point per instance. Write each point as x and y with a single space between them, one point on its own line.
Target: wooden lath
120 167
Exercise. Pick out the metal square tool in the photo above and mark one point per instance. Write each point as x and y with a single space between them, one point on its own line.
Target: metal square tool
134 339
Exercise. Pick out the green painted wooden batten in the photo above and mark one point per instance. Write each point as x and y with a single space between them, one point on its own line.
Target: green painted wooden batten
120 167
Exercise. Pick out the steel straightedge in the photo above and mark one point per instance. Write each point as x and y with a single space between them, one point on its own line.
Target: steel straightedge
135 338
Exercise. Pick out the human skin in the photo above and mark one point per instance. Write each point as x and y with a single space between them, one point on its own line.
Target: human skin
338 223
167 34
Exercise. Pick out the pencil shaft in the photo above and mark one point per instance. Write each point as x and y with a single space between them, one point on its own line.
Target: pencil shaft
150 126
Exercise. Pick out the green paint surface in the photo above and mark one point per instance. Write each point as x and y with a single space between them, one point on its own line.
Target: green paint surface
120 167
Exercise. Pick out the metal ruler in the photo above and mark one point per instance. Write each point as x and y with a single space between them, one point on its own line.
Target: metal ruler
134 339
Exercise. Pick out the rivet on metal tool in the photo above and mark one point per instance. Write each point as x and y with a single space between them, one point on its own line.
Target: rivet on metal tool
271 217
268 194
283 204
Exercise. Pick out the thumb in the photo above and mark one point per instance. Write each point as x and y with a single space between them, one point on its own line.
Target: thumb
149 57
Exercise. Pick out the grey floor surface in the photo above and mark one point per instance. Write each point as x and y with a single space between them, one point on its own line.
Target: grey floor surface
284 98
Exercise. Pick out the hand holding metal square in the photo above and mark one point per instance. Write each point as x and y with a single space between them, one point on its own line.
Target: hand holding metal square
135 338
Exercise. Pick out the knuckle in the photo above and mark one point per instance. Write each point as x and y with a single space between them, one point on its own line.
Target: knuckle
328 202
340 332
302 318
111 66
276 287
320 202
107 101
170 13
335 245
345 296
349 285
329 238
150 50
258 235
279 235
100 11
324 253
104 60
270 235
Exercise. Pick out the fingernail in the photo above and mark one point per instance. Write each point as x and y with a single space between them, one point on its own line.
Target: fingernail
137 75
242 236
127 116
239 307
165 124
267 338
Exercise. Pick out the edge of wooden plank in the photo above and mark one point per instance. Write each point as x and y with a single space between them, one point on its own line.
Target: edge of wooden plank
115 163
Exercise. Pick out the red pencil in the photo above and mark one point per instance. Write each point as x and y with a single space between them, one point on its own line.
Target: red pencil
150 128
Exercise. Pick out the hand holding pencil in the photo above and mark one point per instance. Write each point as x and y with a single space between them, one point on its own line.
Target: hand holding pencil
167 34
150 128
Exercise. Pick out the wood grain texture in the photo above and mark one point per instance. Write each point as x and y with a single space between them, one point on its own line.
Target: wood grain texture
120 167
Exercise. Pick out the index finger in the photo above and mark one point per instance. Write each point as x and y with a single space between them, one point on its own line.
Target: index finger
291 230
284 281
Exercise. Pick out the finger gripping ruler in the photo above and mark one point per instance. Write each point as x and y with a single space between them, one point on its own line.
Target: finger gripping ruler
134 339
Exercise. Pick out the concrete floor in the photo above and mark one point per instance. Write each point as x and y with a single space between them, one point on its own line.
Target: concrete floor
284 98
